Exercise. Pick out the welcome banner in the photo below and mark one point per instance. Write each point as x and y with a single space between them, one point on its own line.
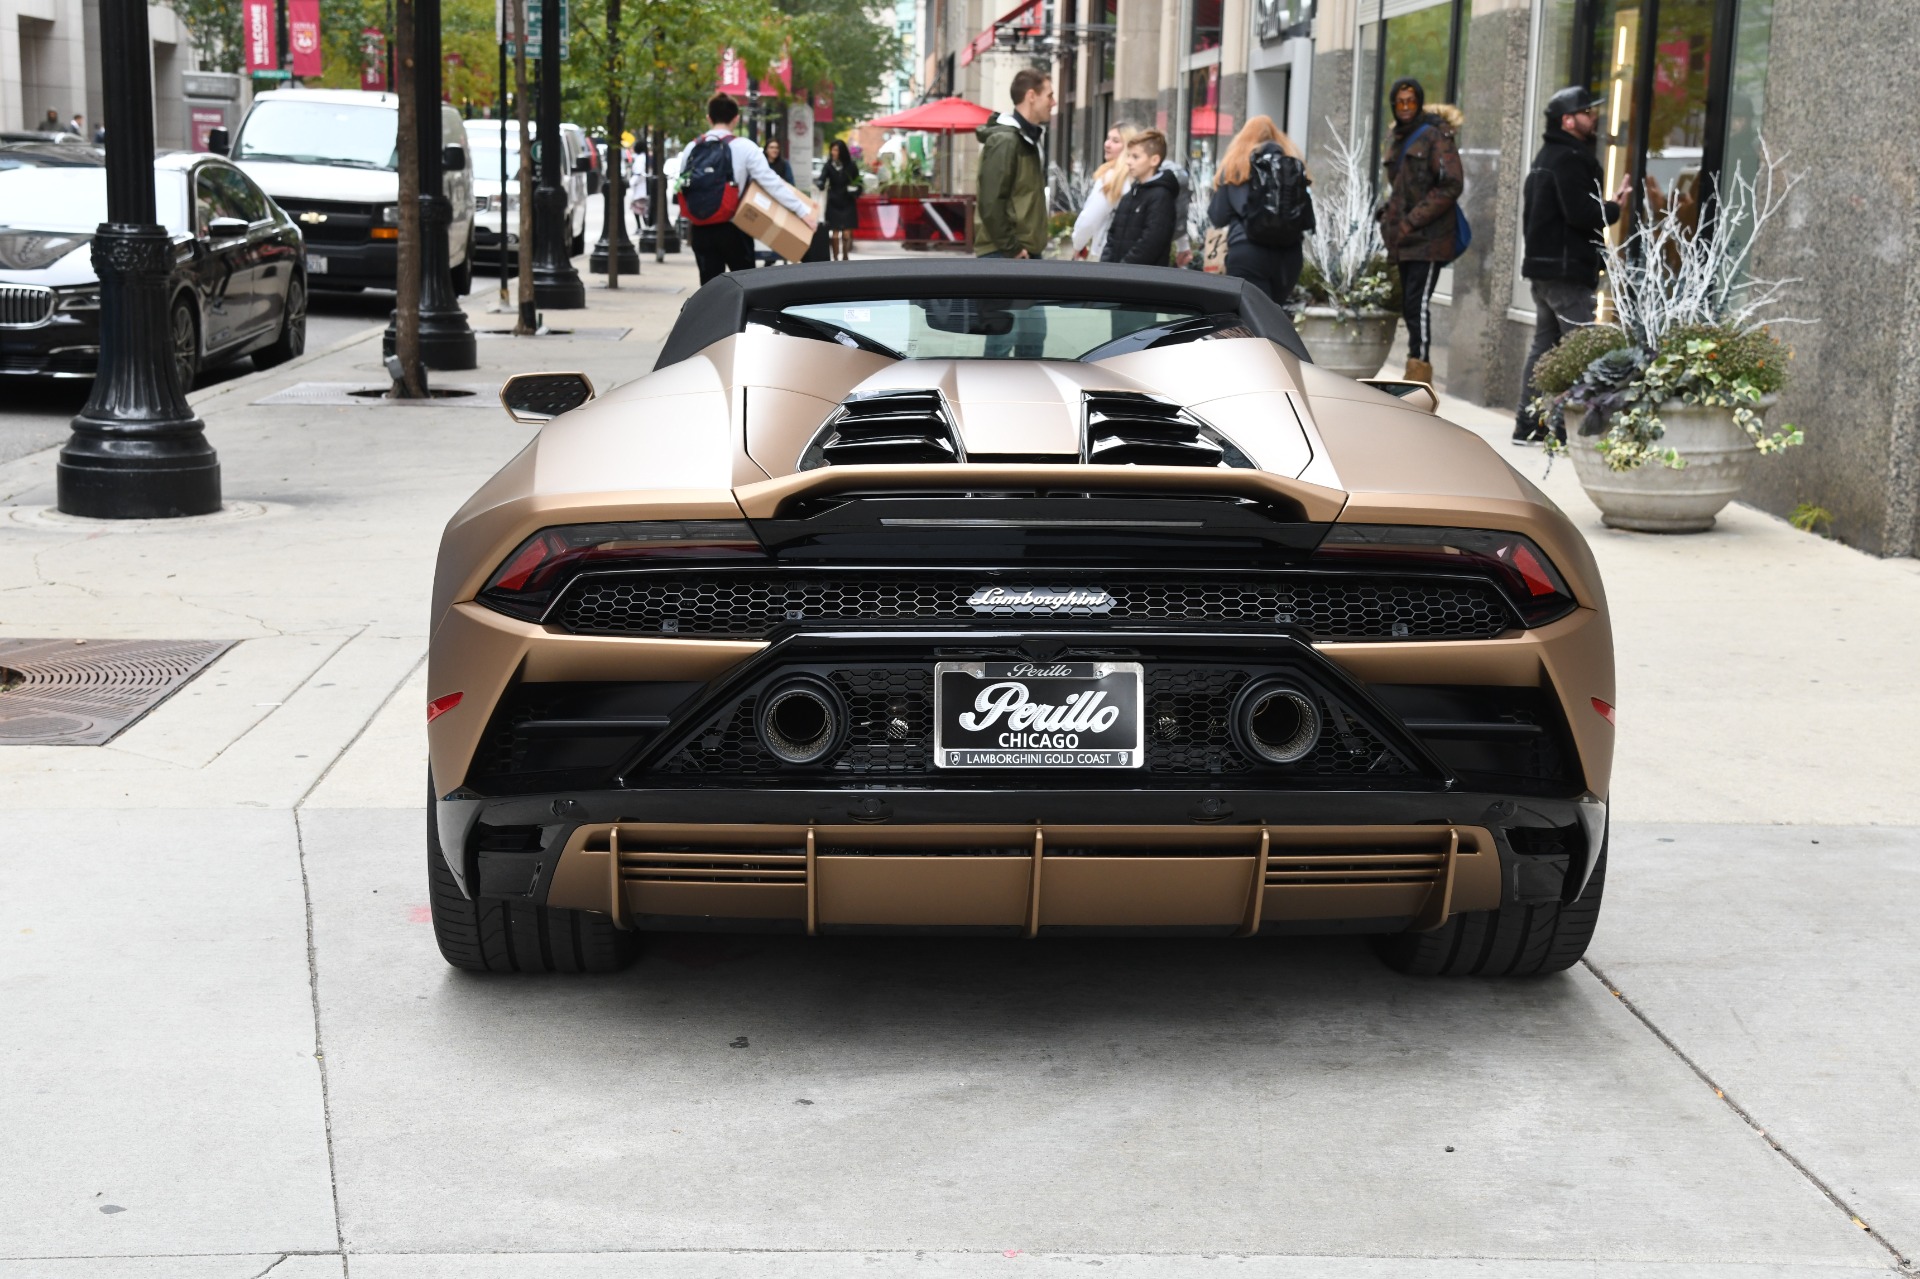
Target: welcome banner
262 52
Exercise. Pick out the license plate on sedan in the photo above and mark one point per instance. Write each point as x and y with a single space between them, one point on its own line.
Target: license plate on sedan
316 265
1037 715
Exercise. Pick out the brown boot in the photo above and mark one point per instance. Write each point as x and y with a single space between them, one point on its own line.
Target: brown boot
1419 371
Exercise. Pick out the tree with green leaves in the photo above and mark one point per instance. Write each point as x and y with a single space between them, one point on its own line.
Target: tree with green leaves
215 28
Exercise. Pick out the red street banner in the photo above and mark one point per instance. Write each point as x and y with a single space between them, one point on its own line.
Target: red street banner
823 105
303 33
373 60
262 55
733 73
782 71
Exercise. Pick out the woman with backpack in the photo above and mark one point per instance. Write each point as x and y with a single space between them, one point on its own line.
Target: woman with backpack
1420 221
1104 190
1260 197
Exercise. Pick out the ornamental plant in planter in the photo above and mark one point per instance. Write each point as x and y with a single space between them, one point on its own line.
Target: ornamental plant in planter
1670 398
1344 306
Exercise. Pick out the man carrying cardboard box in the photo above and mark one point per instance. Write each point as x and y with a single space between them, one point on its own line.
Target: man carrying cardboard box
716 169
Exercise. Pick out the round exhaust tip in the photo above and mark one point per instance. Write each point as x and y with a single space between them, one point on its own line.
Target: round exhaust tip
1276 723
800 720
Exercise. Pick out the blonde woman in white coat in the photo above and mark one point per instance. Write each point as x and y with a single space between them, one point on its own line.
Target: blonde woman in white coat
1110 182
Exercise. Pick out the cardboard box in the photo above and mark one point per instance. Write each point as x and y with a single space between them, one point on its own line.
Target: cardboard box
773 223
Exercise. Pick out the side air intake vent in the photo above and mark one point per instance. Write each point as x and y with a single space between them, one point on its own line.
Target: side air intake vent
1123 428
886 426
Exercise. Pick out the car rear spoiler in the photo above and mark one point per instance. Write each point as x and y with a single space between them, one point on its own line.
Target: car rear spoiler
771 499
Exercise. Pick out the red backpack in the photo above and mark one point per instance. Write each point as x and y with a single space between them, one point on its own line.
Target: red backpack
708 195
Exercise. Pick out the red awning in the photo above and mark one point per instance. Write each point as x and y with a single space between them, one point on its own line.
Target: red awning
948 115
1024 17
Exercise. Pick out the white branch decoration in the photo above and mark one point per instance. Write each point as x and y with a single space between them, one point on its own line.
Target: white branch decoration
1346 241
1664 275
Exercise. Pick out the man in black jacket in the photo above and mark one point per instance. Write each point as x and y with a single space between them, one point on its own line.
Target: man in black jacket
1142 226
1565 219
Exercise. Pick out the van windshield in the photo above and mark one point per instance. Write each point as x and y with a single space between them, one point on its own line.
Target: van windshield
321 133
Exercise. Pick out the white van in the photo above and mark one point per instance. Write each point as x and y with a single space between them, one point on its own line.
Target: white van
329 157
483 137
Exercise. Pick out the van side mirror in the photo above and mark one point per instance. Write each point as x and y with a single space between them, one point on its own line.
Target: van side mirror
218 141
453 158
541 397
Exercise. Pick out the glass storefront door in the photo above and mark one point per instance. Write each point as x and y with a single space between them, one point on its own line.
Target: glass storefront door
1683 84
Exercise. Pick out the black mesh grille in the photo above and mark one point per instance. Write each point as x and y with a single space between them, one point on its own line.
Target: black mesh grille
1188 732
750 605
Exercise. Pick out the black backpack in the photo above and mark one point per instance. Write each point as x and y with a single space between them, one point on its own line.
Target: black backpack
707 193
1279 209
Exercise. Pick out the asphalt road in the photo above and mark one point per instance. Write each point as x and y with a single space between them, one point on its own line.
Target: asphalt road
38 410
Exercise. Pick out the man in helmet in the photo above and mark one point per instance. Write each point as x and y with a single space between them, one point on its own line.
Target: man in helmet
1565 219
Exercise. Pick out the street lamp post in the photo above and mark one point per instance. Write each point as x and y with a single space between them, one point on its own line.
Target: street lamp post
555 283
446 339
137 451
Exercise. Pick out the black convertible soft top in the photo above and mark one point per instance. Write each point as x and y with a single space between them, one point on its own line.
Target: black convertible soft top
719 309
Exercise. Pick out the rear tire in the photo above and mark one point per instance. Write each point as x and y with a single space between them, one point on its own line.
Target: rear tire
292 339
487 935
463 274
1513 941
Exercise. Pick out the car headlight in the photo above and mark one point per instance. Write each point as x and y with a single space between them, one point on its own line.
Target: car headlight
539 569
390 215
85 297
1514 562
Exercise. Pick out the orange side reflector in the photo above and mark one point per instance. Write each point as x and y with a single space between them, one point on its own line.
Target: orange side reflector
386 233
441 705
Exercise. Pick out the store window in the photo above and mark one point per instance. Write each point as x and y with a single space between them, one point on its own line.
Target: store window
1205 33
1684 83
1209 130
1424 39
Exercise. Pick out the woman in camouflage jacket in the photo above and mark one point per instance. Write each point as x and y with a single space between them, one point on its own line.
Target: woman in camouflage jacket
1420 217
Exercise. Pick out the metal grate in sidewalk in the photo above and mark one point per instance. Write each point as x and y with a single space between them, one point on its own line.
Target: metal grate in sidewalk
449 395
63 692
585 335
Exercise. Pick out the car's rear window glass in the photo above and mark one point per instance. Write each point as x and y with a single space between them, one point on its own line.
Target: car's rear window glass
988 328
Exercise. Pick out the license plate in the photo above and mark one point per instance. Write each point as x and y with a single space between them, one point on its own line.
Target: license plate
316 265
1037 715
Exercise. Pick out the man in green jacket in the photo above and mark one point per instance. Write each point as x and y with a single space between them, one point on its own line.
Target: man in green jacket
1013 179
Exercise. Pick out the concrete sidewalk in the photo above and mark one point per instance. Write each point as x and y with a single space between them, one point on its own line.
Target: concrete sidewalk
233 1048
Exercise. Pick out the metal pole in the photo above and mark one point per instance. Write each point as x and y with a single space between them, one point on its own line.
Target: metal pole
137 451
500 114
555 283
446 339
623 258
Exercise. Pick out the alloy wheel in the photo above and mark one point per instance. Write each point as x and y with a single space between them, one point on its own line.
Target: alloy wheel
186 347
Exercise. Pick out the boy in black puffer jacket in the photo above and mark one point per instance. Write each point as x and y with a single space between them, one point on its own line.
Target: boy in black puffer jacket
1142 227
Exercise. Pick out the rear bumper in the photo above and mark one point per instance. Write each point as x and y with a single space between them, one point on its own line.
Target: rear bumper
1022 860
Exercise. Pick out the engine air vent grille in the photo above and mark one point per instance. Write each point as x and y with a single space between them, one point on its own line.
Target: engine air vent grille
1123 428
886 427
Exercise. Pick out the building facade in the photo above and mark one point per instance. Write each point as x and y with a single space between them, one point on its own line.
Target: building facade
50 61
1692 86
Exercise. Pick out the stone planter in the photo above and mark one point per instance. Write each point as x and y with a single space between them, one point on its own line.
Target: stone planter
1658 499
1354 346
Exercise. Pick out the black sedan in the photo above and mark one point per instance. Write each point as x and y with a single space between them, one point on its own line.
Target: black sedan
238 285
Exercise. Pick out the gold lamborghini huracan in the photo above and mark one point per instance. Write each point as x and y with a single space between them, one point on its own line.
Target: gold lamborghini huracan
1011 598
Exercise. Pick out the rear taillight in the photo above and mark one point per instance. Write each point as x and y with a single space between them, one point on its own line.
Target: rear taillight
528 580
1512 560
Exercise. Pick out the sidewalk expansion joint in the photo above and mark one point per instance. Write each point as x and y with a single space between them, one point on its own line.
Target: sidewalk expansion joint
1905 1265
319 1043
